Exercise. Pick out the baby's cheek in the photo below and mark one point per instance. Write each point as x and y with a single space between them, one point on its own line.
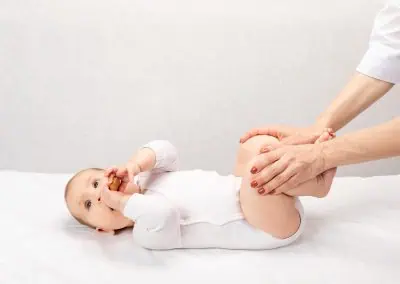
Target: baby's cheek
104 216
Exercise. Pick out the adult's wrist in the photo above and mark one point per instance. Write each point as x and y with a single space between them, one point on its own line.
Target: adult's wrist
326 154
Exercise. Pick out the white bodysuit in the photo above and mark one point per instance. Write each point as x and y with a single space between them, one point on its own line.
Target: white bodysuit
192 209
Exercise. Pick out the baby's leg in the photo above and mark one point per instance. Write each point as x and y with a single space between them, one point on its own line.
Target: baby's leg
274 214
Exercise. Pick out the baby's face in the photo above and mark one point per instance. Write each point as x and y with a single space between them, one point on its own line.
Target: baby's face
84 202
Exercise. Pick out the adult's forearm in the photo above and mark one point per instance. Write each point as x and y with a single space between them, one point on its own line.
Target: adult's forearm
361 92
379 142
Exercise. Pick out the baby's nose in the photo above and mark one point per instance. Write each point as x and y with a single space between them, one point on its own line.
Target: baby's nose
97 192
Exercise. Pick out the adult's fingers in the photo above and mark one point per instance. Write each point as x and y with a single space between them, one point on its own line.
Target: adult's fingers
262 161
272 172
259 131
288 181
277 181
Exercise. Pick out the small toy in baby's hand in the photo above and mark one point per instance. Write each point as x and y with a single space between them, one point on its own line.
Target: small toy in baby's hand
115 183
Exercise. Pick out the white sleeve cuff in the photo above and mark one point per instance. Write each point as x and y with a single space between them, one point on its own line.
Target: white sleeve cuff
382 60
381 63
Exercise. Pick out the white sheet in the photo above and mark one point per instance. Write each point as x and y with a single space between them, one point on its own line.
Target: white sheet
352 236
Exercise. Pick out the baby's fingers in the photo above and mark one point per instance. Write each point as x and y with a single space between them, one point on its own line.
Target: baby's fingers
133 170
110 170
122 172
130 174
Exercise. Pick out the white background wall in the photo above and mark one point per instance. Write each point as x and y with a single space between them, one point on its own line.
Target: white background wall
83 83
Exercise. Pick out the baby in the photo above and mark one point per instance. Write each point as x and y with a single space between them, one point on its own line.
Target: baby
170 209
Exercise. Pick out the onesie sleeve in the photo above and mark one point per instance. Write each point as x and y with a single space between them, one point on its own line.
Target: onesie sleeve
157 221
166 155
382 59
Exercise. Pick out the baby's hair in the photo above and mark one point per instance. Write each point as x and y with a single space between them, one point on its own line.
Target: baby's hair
67 189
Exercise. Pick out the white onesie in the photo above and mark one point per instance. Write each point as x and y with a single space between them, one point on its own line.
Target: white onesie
193 209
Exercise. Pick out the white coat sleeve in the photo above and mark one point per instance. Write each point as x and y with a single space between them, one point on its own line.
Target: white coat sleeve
157 221
166 155
382 59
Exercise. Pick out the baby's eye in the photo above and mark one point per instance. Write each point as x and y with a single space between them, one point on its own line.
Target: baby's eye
88 204
96 184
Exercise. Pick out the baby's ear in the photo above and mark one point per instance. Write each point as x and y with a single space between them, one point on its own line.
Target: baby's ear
111 232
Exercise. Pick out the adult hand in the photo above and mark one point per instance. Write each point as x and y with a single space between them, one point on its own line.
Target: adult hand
280 168
288 135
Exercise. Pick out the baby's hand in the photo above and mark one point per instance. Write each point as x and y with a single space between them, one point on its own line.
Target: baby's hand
125 173
114 199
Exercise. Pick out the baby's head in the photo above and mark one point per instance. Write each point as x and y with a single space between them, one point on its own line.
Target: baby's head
82 196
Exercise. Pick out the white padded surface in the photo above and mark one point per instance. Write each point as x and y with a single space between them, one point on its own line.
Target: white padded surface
352 236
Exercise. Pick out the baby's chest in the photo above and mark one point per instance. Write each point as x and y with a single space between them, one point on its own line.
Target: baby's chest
198 200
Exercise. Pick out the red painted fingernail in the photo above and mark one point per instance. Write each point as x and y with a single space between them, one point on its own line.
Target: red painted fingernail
253 170
254 183
261 191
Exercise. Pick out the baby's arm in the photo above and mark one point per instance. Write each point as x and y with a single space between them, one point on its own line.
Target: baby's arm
164 158
157 221
155 156
165 155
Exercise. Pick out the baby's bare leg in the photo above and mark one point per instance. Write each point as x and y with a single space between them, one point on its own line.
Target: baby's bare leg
274 214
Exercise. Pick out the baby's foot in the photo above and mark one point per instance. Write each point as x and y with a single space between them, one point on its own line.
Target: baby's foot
326 135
